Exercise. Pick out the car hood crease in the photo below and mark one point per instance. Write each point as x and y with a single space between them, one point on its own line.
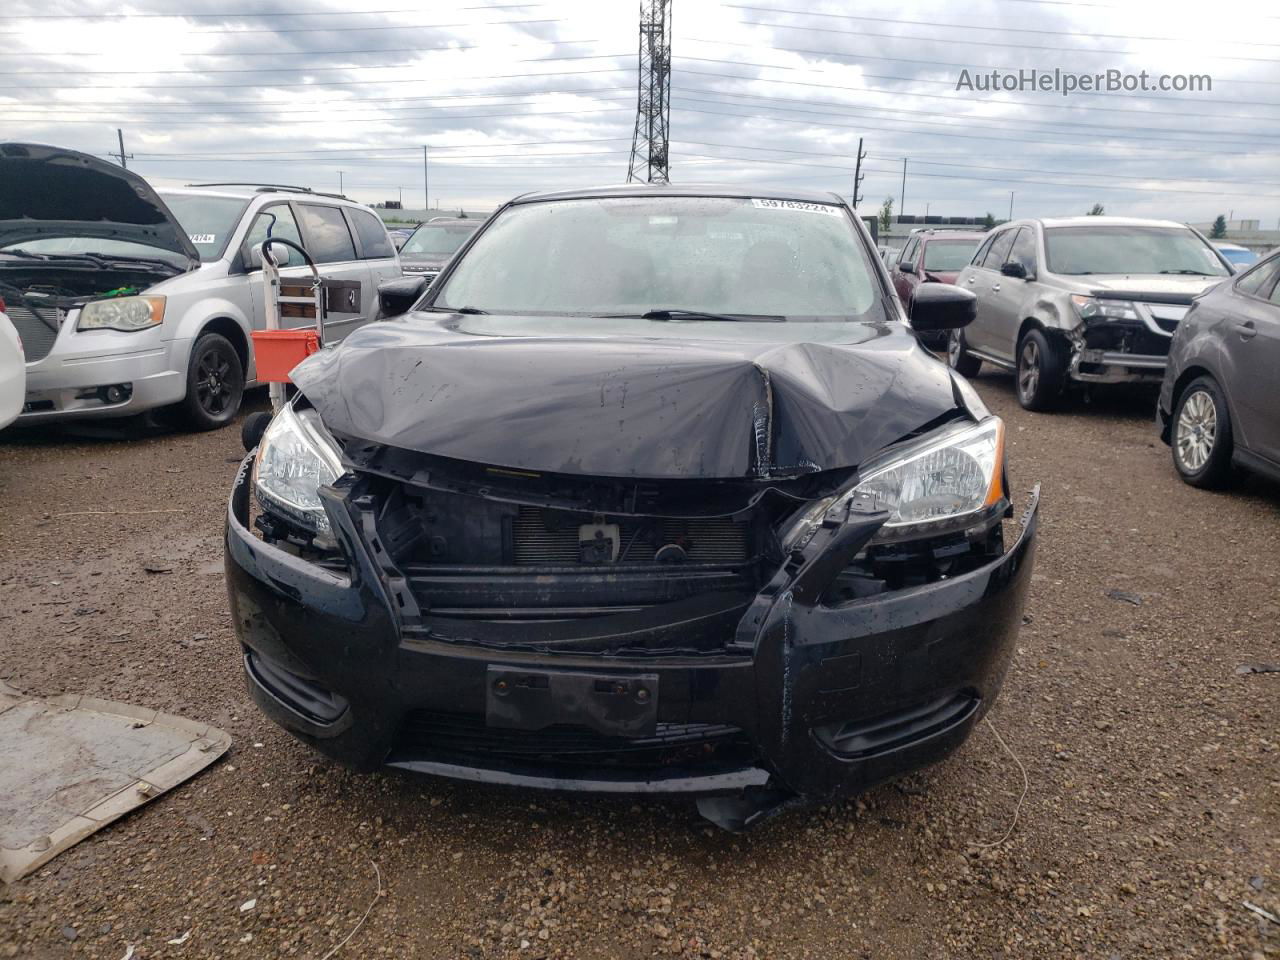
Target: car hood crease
544 394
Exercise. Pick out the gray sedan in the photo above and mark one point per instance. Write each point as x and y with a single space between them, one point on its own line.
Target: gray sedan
1218 402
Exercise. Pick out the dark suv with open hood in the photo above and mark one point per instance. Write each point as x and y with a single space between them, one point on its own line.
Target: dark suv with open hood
653 490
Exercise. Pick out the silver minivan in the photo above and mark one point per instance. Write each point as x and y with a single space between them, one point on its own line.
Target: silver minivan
129 299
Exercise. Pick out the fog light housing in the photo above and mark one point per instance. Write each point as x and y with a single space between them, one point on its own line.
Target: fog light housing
116 392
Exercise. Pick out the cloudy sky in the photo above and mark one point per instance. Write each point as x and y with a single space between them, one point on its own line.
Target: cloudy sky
514 97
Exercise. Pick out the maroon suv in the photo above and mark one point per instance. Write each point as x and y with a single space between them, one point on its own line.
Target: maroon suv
932 256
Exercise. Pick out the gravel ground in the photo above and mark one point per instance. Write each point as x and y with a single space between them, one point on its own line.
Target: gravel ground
1154 764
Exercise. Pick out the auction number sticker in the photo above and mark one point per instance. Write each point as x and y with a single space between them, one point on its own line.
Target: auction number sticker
203 237
801 205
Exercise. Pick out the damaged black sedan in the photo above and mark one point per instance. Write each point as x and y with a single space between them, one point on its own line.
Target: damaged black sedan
653 491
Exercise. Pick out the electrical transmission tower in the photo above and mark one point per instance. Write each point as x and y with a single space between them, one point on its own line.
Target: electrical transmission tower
653 108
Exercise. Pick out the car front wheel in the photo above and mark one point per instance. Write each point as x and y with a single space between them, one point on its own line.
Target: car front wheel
958 358
1201 437
215 383
1041 372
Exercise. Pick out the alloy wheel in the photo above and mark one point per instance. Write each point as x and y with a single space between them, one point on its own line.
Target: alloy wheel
212 388
954 348
1196 431
1029 369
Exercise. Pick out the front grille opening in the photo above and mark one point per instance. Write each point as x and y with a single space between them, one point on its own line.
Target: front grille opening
540 536
441 735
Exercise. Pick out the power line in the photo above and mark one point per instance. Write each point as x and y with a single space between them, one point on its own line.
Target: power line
246 14
948 83
930 63
970 26
308 69
271 122
988 43
301 53
939 96
318 83
414 149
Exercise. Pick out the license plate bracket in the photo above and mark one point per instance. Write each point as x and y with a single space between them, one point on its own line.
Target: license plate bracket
623 705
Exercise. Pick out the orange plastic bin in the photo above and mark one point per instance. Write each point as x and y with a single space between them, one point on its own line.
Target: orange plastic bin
277 352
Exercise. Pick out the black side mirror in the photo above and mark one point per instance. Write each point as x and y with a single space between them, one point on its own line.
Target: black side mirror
397 296
942 306
907 266
1015 269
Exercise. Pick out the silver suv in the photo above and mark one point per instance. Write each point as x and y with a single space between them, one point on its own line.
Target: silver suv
1084 299
128 299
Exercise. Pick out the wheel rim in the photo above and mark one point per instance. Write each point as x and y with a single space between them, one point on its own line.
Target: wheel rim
953 348
215 387
1029 368
1196 432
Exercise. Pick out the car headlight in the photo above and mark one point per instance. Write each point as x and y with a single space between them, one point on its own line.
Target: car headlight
296 457
122 313
1090 307
948 480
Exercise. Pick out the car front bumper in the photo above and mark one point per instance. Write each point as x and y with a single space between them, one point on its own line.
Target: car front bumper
71 381
806 699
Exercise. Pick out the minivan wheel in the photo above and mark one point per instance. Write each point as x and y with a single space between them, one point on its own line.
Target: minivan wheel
215 383
1201 437
958 358
1041 371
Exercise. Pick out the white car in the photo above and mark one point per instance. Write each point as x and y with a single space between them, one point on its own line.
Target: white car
13 372
128 299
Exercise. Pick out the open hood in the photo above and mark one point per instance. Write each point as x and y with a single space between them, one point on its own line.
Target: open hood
50 192
1177 288
630 398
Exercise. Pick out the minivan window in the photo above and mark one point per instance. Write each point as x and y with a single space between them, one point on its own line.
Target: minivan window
374 242
999 252
1079 251
275 221
328 239
947 255
909 251
625 256
207 221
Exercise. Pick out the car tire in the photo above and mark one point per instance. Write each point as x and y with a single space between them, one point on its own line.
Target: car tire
215 383
1200 435
958 358
1041 371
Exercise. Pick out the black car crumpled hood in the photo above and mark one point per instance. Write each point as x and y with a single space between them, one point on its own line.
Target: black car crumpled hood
618 399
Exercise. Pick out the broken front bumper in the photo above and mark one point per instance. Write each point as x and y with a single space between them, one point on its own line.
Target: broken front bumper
803 699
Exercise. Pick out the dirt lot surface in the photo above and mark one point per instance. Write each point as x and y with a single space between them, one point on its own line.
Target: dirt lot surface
1153 810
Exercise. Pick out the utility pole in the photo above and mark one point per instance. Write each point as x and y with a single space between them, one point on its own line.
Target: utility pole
902 204
339 181
121 156
650 146
926 212
426 189
1010 204
857 176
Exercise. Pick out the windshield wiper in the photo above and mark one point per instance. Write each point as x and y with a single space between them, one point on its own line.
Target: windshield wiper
1190 273
24 253
434 308
677 314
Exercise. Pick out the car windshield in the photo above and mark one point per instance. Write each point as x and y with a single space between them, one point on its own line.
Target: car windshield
1129 249
950 255
94 246
627 256
208 221
439 238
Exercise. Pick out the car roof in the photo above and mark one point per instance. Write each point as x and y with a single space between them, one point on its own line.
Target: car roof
450 222
1087 221
952 235
738 191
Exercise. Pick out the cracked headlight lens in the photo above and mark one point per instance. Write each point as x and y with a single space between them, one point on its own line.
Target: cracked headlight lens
296 457
943 481
1090 307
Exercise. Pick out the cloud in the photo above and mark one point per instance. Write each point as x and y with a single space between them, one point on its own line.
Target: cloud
511 98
